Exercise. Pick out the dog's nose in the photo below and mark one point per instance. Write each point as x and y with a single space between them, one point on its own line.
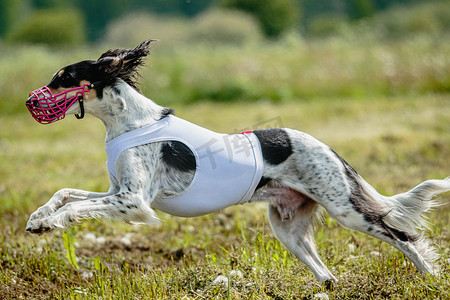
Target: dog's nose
32 100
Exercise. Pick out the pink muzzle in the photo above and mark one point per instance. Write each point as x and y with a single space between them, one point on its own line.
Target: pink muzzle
47 108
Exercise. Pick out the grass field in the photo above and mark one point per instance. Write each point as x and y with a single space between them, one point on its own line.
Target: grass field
393 142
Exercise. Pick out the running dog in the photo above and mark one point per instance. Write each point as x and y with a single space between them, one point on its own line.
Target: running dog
156 160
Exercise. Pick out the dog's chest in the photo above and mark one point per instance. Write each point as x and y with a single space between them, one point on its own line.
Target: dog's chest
228 167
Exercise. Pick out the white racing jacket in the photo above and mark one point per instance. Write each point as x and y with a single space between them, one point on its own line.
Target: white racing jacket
228 167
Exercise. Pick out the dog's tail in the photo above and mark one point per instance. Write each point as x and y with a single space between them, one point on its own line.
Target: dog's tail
406 211
412 205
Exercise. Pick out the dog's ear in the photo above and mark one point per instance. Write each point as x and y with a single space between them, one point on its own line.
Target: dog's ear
124 63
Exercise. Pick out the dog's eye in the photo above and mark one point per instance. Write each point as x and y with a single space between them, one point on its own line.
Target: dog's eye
67 76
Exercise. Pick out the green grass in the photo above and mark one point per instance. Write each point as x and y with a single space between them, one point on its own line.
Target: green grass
393 142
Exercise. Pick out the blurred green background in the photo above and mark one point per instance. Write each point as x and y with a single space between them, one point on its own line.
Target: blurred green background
230 50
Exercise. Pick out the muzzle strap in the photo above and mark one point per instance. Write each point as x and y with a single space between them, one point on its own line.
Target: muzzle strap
80 102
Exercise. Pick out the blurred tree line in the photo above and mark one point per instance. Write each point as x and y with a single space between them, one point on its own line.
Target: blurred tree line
77 21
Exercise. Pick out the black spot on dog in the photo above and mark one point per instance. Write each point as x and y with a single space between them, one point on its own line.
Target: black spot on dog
178 156
166 112
116 90
263 182
275 145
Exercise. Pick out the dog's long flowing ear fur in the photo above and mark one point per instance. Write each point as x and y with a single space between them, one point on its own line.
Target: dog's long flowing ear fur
124 63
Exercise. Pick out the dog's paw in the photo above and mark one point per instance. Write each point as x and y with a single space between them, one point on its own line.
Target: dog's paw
39 226
41 213
329 284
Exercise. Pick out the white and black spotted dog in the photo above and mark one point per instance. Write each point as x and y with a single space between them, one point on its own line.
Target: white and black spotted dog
289 169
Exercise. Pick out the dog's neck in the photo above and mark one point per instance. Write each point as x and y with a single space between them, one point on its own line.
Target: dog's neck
123 109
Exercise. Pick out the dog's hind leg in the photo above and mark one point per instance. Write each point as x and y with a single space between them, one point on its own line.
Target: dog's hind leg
391 219
414 247
295 232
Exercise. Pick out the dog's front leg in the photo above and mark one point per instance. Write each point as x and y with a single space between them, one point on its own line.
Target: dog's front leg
66 195
61 198
126 207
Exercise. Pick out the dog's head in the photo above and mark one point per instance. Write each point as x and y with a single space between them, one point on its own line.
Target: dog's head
84 82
